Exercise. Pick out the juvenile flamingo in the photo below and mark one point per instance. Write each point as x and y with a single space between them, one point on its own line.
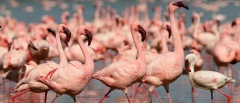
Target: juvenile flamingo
28 83
126 72
167 67
208 80
72 78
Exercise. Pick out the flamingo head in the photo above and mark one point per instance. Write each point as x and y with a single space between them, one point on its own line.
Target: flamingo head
83 30
175 5
190 61
68 33
142 31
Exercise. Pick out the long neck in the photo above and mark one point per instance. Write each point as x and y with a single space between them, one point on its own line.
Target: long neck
177 42
140 52
163 42
87 57
63 59
195 32
215 30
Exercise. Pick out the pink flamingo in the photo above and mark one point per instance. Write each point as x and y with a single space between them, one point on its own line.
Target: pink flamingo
208 80
28 83
72 78
117 76
39 50
157 74
150 55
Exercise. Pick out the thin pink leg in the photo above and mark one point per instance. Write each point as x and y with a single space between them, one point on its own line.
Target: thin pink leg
228 97
193 95
54 99
135 95
18 94
159 99
128 98
169 97
105 96
145 96
143 87
4 84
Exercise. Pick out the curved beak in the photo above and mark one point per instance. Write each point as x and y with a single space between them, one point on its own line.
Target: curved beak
51 31
32 46
169 31
142 31
181 4
68 33
233 23
89 36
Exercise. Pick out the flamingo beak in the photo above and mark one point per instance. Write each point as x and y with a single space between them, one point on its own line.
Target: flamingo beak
233 23
32 46
169 31
9 46
68 33
89 36
187 65
181 4
51 31
142 31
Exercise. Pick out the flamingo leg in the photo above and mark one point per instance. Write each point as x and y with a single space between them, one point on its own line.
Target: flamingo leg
54 99
150 97
145 96
110 90
4 84
128 98
229 84
136 92
159 99
228 97
193 95
45 97
211 91
74 99
18 94
166 87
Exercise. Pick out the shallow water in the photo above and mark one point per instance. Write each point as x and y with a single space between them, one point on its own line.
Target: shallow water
180 90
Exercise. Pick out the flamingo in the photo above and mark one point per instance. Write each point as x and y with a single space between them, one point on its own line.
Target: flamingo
13 60
39 50
28 83
150 55
167 67
208 80
73 77
117 76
